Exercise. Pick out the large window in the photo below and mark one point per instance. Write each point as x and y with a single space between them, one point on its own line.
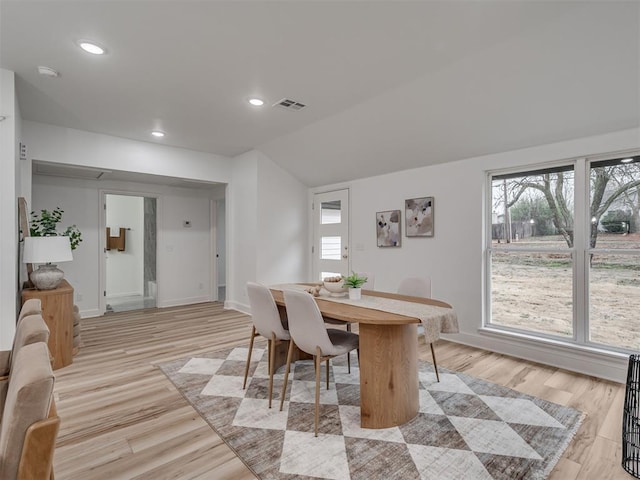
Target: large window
563 252
613 256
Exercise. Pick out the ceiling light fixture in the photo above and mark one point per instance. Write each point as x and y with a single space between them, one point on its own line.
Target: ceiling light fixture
256 102
157 133
47 72
626 160
91 47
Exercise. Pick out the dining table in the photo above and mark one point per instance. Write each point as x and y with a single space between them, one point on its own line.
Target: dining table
388 357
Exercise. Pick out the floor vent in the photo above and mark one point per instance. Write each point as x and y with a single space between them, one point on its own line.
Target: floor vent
289 104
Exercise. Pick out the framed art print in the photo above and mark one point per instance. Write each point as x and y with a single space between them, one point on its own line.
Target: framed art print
419 217
388 228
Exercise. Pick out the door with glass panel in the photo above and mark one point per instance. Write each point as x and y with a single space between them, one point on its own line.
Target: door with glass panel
330 248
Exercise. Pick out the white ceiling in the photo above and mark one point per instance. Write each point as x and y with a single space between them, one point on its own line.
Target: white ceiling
389 85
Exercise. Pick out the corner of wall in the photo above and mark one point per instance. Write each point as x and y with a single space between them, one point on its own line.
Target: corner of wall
9 158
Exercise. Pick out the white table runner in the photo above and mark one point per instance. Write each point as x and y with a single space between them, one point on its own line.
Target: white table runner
435 319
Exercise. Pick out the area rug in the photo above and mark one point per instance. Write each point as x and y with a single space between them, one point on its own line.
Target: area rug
466 428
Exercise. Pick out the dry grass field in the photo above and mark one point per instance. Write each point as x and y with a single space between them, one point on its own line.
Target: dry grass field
534 291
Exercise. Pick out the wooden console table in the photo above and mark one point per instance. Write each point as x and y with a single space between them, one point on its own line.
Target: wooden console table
57 311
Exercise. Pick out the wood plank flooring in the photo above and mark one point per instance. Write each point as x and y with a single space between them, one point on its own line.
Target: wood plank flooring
122 418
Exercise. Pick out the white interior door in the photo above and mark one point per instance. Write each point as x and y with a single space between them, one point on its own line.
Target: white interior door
331 234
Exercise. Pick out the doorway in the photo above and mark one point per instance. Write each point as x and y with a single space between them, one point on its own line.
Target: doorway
129 252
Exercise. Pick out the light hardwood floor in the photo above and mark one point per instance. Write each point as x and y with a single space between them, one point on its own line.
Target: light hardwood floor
122 418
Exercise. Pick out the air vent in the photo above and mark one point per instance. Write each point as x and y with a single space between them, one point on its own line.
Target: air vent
289 104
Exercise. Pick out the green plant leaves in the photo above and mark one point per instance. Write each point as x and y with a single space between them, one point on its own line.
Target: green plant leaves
45 225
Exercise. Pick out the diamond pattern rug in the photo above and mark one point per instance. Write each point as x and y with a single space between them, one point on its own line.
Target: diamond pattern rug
466 428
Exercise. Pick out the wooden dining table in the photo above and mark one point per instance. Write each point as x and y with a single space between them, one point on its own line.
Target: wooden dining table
388 356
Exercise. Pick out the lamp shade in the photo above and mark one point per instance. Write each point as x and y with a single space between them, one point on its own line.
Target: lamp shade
47 249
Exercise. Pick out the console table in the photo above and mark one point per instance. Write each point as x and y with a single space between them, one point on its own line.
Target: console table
57 311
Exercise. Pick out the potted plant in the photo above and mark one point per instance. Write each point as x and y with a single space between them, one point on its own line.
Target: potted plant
354 283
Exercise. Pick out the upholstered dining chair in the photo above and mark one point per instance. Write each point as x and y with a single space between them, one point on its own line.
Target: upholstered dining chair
31 329
371 280
309 333
266 322
32 306
419 287
29 421
416 287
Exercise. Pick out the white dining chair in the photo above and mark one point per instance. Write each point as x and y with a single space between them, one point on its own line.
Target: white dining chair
416 287
266 322
419 287
371 280
309 334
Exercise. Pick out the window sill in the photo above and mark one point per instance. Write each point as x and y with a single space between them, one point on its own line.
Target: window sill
567 346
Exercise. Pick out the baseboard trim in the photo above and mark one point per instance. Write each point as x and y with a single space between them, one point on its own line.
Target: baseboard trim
241 307
126 294
94 312
177 302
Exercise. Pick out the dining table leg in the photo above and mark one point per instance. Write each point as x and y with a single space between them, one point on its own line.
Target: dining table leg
388 374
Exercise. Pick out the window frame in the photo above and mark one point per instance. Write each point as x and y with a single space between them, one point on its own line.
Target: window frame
580 253
489 250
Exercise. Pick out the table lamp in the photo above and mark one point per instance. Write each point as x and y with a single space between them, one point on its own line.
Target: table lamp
46 250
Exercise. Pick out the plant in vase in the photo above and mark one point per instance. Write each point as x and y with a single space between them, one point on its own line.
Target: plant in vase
354 283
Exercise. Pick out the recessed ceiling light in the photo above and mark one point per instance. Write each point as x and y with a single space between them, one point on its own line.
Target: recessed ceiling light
256 102
626 160
91 47
47 72
157 133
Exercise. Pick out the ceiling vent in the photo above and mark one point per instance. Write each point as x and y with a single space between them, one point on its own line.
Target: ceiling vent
289 104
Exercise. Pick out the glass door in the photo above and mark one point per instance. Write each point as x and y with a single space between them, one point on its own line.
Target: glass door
331 234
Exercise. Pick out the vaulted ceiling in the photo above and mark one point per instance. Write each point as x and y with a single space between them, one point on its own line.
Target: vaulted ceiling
388 85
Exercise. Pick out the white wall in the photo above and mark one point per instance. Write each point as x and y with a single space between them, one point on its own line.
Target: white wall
125 269
267 227
8 208
454 256
282 225
242 230
183 275
247 245
221 235
184 254
76 147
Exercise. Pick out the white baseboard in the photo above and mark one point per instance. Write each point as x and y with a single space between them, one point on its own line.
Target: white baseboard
91 313
241 307
126 294
183 301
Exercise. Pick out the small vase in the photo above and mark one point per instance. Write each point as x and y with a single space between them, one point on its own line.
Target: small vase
355 293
